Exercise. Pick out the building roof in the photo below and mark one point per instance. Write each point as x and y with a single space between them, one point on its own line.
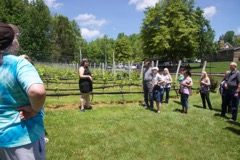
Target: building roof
230 49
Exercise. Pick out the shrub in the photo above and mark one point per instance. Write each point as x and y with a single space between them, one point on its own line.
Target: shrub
214 84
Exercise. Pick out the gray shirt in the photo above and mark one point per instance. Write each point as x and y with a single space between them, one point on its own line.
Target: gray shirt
233 79
147 74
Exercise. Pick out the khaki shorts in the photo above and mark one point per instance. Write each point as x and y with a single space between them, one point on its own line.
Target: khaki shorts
32 151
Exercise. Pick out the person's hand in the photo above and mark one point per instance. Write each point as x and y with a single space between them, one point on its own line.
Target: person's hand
90 78
236 94
26 112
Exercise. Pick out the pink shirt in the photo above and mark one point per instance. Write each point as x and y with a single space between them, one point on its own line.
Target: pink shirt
185 89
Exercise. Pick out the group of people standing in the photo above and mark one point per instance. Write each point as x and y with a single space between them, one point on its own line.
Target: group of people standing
155 85
229 89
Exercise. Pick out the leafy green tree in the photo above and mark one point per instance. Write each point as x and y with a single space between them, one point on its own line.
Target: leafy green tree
80 42
35 40
169 29
205 36
96 50
33 19
65 38
123 50
121 35
136 45
13 11
228 37
109 50
236 40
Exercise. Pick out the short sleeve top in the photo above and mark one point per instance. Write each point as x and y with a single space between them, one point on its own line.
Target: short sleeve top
16 77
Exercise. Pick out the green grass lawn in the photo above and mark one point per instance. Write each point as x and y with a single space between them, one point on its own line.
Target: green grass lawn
129 131
212 67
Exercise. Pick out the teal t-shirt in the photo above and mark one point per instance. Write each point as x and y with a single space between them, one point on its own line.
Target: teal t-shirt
16 76
180 79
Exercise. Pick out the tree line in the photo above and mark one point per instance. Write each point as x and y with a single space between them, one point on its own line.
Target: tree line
172 29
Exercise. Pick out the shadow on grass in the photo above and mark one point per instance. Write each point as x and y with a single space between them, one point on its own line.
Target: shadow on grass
219 115
218 110
234 123
197 106
177 102
151 109
178 110
234 130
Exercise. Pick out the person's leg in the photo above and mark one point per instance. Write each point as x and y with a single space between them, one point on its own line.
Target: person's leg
203 100
88 104
185 97
208 100
229 107
145 90
35 151
222 100
162 95
150 90
235 103
161 91
83 98
167 90
158 106
158 99
227 98
182 101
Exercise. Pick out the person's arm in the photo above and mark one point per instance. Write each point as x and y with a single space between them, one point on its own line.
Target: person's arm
206 82
37 96
81 73
238 89
188 84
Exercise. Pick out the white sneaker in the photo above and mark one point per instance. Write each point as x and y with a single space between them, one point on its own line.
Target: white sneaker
46 139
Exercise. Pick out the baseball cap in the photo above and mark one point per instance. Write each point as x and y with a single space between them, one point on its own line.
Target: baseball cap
6 35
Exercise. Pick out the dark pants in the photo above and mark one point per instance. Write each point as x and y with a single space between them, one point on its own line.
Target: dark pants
229 105
205 97
148 88
167 90
184 100
229 96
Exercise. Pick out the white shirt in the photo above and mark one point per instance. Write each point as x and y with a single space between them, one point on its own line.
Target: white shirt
156 78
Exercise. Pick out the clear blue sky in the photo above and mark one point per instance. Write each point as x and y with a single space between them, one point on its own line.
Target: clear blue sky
110 17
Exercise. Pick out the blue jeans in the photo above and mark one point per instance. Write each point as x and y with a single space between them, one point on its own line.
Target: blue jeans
184 100
158 94
148 88
167 90
229 96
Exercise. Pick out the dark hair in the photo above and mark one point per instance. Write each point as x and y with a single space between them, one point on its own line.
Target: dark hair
83 61
6 36
147 60
182 69
188 72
